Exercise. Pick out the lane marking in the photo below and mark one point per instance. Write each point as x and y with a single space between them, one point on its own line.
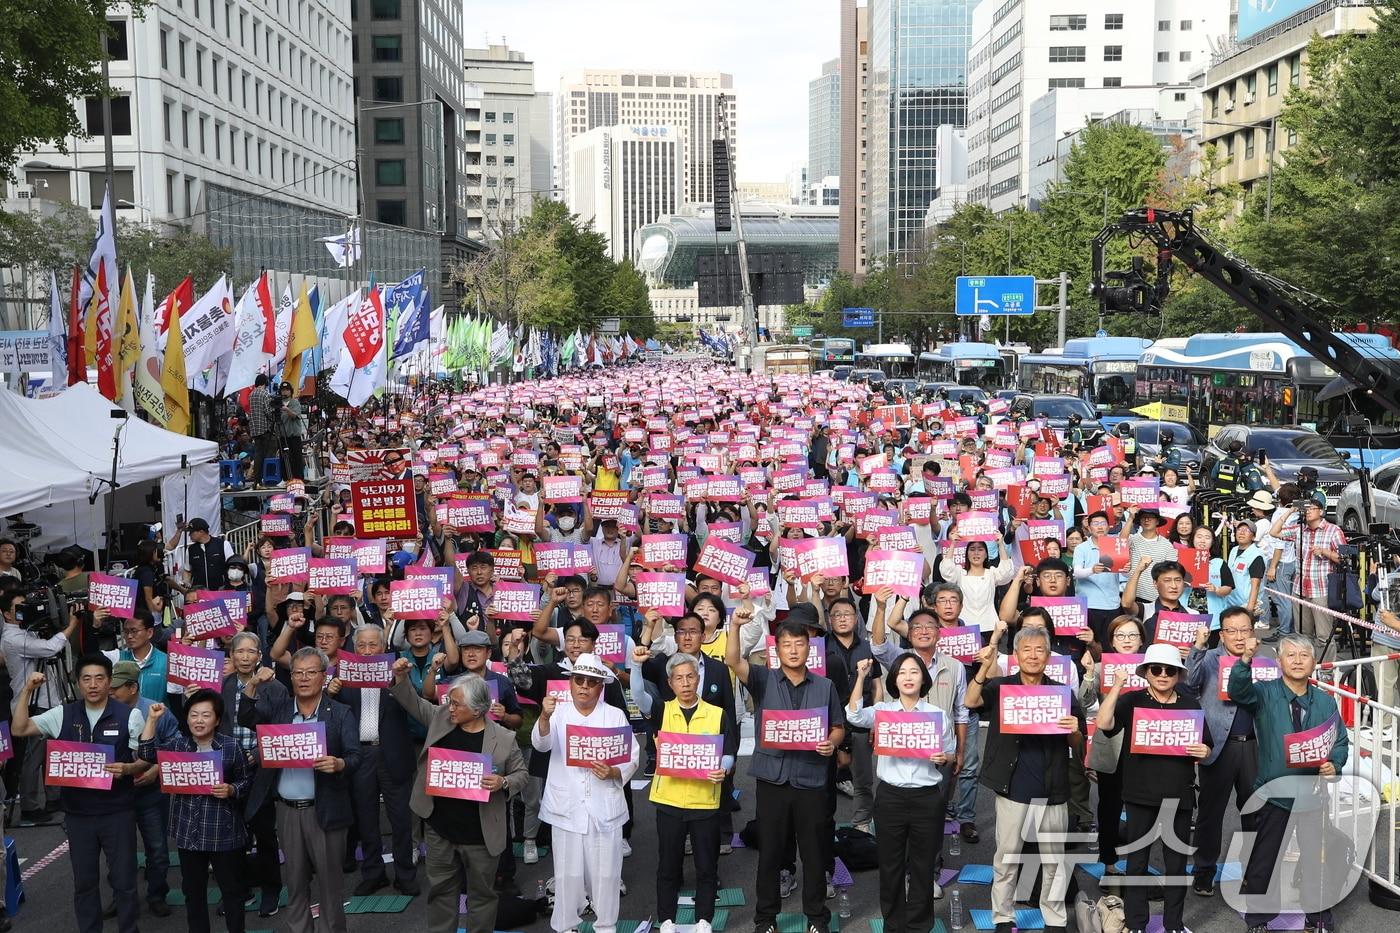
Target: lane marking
31 870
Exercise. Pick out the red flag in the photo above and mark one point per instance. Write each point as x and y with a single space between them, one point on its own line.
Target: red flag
263 296
185 293
106 373
364 334
77 359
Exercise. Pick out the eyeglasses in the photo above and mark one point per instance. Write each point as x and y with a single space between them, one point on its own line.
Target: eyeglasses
589 683
133 631
304 675
1161 670
1237 631
1124 636
576 640
923 626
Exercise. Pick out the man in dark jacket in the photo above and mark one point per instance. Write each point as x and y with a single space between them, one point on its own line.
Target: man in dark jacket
313 804
1023 769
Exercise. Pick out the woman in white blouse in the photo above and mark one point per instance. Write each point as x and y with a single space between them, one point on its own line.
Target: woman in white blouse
977 581
910 796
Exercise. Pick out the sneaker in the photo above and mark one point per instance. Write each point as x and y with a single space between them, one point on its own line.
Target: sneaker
622 888
702 926
1004 928
1259 928
34 817
532 852
368 886
813 928
626 849
787 883
689 849
769 927
1204 885
668 926
863 826
937 891
726 849
269 904
969 832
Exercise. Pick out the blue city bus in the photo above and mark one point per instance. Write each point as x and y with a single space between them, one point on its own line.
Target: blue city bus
1100 370
965 363
1267 379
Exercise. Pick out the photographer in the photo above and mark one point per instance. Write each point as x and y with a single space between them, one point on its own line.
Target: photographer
95 634
26 652
262 424
293 432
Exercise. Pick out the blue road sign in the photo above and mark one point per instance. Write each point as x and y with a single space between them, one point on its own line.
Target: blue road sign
996 294
857 317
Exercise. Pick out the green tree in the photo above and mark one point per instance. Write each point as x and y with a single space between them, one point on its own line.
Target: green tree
627 299
169 254
49 54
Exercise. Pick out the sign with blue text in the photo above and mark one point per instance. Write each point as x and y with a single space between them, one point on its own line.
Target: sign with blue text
995 294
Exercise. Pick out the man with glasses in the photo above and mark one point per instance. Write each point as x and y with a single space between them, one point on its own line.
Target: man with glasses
314 807
1158 793
584 804
137 635
1232 764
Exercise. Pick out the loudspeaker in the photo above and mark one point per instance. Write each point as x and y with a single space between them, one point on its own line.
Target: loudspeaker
724 220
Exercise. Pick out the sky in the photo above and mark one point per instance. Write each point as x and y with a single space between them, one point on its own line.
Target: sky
771 47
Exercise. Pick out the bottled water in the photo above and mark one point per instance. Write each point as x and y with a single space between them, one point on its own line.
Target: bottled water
955 845
843 905
955 911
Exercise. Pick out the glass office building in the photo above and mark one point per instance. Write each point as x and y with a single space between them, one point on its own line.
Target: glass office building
918 81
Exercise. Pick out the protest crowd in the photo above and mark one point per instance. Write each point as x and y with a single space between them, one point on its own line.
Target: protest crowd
514 617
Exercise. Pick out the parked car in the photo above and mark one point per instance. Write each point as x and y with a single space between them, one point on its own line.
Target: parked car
1056 409
1287 450
903 388
871 377
1186 439
955 392
1385 501
841 373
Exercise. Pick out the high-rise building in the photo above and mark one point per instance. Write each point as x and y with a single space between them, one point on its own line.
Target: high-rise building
687 101
918 82
414 124
500 162
824 122
855 135
1098 57
621 177
542 180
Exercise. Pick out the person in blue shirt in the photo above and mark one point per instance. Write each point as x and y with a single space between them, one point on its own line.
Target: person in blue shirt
137 635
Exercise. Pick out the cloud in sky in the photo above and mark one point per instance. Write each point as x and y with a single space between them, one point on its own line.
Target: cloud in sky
773 48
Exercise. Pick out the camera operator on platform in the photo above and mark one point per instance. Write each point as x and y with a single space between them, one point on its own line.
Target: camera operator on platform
27 651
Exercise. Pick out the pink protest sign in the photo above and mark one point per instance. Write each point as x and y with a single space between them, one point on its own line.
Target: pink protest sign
282 502
415 599
517 601
276 525
901 571
559 689
816 655
289 565
1311 747
78 764
1118 666
1140 491
457 774
729 532
1069 614
724 561
7 742
907 734
188 666
293 745
1178 629
659 551
440 577
682 755
664 592
563 489
115 594
332 575
611 645
208 620
585 745
666 506
825 556
977 526
190 772
236 602
793 730
759 582
555 557
365 670
441 484
471 512
960 641
369 555
724 489
799 513
918 510
1166 731
1027 710
896 538
1260 669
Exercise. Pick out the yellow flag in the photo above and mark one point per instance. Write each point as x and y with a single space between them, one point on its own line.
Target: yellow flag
172 377
127 337
303 338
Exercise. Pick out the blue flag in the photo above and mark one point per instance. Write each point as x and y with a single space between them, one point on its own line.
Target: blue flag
404 303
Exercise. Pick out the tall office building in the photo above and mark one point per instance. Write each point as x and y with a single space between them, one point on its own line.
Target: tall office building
542 147
854 136
918 82
500 162
687 101
621 177
1094 57
824 122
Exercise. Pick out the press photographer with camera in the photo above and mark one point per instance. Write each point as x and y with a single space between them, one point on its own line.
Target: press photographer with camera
262 424
31 646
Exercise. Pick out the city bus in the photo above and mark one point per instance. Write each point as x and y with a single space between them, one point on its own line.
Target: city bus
830 352
966 363
895 360
1267 379
1100 370
774 358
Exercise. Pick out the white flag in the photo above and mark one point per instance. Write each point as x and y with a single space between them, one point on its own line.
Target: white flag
58 336
147 388
207 329
357 385
248 358
333 329
344 249
285 309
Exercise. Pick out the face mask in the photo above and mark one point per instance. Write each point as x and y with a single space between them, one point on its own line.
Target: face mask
235 576
566 523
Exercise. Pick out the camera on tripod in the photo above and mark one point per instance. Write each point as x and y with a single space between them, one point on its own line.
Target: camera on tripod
44 612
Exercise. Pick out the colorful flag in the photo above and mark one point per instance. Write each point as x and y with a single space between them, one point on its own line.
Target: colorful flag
250 353
172 377
127 339
77 357
58 336
146 387
364 332
303 338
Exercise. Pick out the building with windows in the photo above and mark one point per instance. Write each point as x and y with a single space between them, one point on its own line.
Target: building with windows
689 102
500 159
824 122
1247 81
918 82
1110 55
542 172
623 177
855 134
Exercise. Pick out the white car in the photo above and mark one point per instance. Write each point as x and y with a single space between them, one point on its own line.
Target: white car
1385 500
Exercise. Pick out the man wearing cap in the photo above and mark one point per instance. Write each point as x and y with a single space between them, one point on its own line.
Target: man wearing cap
584 803
1158 792
387 752
1147 545
792 785
1227 473
205 557
152 807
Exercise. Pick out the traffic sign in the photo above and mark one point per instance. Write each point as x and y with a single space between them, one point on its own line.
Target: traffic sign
857 317
801 330
996 294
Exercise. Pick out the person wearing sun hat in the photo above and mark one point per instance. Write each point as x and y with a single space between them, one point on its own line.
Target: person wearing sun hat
584 804
1158 793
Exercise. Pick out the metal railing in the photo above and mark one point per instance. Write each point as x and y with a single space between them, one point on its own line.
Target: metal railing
1279 28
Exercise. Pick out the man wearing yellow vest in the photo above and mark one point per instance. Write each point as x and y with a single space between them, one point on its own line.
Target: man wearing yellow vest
686 806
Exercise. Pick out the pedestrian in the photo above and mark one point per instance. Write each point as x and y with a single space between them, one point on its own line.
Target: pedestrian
262 425
910 797
1319 556
208 827
587 839
465 838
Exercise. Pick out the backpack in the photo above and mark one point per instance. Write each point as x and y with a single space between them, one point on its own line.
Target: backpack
857 849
